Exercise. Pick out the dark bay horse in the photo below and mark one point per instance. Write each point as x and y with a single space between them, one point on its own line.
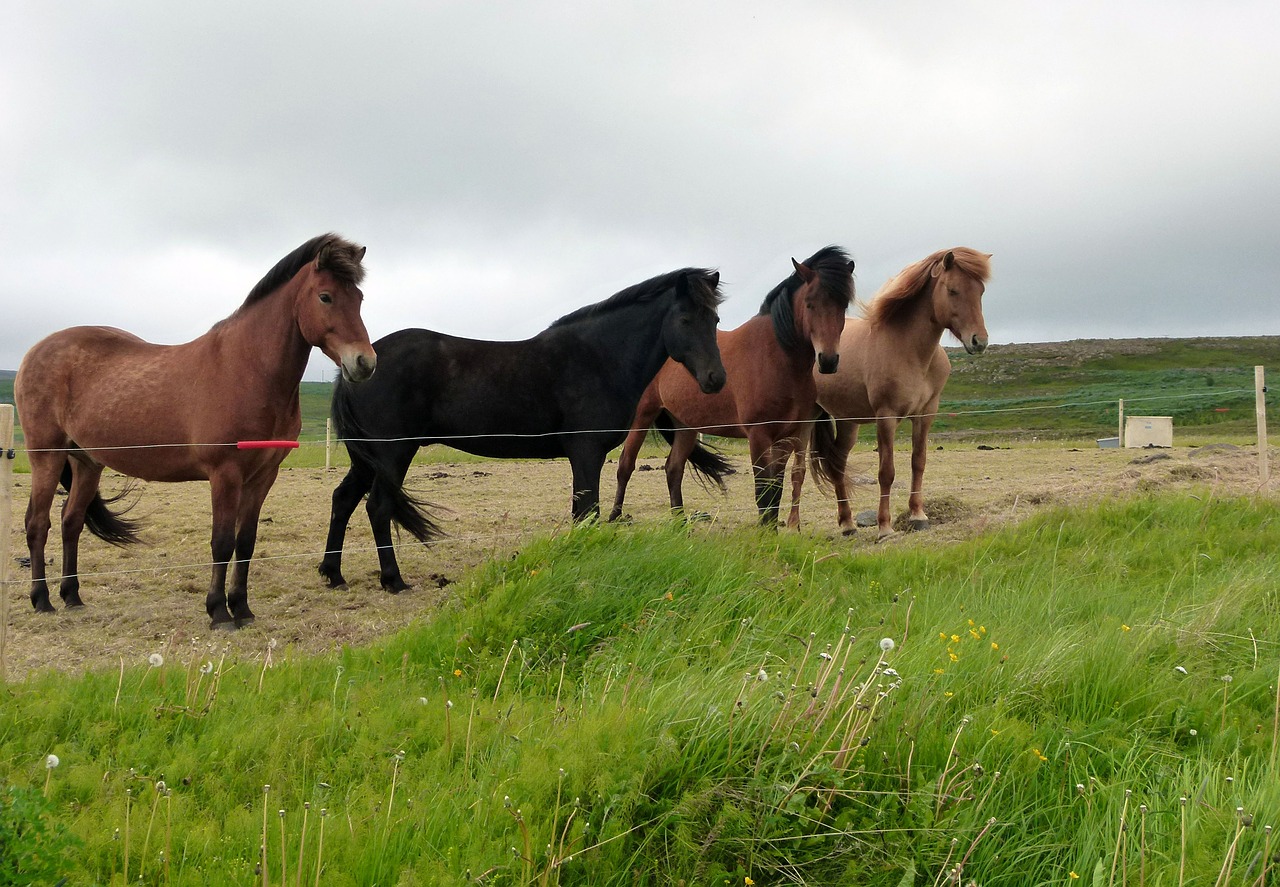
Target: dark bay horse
892 367
569 391
95 397
770 394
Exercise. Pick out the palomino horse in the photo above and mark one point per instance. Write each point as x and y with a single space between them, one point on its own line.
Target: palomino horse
892 368
94 397
568 391
770 394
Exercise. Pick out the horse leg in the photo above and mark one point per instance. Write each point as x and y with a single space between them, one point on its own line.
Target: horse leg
380 509
586 459
251 499
846 437
683 444
45 468
797 477
225 493
918 520
346 497
626 467
84 486
886 429
768 463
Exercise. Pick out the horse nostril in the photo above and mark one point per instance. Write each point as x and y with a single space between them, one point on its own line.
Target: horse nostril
827 363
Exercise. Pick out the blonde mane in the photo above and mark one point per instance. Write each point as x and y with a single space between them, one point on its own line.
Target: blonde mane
899 291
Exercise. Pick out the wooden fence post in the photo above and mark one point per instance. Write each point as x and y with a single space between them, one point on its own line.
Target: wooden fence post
1260 399
6 522
328 444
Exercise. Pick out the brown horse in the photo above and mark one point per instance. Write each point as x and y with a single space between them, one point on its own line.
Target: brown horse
94 397
769 395
892 368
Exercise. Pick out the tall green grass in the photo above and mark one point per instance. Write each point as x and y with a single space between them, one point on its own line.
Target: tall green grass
625 705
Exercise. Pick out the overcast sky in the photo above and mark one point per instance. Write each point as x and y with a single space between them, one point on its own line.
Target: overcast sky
506 163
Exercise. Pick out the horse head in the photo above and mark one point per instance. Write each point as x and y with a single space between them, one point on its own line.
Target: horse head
821 301
959 280
327 305
689 329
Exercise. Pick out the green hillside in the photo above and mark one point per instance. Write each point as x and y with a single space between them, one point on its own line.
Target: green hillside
1055 389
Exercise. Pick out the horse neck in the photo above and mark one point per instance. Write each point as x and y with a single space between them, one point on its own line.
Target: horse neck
629 339
263 339
917 326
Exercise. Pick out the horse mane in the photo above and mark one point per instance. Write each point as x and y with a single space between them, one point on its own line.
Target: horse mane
900 290
707 295
339 257
832 266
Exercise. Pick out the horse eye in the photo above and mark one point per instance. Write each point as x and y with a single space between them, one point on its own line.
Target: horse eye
326 298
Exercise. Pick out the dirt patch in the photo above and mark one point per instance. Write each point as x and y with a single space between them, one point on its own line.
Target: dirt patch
150 598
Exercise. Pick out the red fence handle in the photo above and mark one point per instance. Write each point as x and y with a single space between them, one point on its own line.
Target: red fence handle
266 445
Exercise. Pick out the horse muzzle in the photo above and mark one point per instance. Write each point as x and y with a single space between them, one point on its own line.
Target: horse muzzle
712 381
358 367
828 363
975 344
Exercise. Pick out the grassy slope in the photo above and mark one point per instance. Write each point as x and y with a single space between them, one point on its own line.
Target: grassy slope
658 704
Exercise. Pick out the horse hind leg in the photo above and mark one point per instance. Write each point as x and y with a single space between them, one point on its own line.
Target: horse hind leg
626 467
85 478
346 497
917 519
45 468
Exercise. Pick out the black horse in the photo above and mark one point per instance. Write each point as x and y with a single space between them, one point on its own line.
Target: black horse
569 391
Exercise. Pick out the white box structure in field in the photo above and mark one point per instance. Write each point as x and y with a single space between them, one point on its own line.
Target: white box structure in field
1148 431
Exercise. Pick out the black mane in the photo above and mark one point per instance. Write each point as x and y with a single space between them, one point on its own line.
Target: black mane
341 258
649 290
833 266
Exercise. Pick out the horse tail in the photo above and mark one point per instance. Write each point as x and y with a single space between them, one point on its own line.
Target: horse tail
409 513
823 453
709 464
109 526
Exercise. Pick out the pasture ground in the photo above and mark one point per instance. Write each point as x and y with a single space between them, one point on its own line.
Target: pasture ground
150 598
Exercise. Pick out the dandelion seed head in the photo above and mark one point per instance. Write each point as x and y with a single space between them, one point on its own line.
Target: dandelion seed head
886 644
156 660
51 761
762 675
1194 731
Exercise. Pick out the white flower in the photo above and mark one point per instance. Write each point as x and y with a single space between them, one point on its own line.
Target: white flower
891 672
1194 732
1179 669
51 762
156 660
422 700
207 668
886 644
1226 678
824 655
762 675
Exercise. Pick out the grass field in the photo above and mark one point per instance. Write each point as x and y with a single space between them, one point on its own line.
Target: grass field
1087 695
1083 682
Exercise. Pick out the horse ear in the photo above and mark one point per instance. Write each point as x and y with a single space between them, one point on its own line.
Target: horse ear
851 265
322 255
360 254
714 279
945 265
806 273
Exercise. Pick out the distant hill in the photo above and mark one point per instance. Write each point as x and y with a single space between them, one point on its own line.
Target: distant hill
1054 389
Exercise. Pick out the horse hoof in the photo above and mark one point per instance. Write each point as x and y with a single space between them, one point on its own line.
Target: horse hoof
918 524
222 625
848 531
245 620
72 603
885 535
396 586
339 586
43 607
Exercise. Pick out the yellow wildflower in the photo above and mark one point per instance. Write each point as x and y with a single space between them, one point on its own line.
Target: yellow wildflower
1072 875
955 639
1124 627
457 672
954 657
995 646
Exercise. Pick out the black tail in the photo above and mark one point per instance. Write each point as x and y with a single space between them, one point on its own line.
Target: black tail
101 521
709 465
822 450
408 513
